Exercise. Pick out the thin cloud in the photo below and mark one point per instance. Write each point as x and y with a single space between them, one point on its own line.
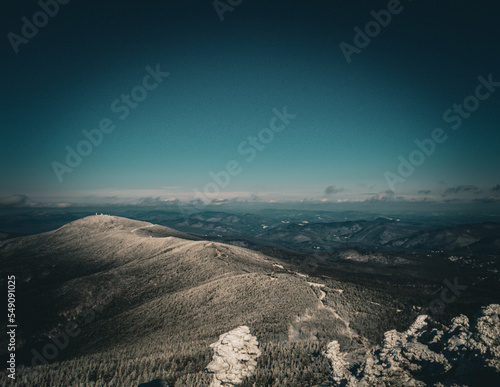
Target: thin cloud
459 189
424 192
156 201
496 188
390 196
385 196
488 199
332 190
14 201
217 202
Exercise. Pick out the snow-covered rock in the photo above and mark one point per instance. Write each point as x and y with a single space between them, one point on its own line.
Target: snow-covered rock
459 354
337 360
234 357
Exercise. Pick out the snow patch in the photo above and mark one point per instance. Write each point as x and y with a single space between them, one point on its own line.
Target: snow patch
139 228
315 284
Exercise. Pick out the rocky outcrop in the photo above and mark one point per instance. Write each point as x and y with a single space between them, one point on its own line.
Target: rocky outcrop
459 354
340 367
234 357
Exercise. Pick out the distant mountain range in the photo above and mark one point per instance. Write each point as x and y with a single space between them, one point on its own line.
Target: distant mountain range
298 231
381 234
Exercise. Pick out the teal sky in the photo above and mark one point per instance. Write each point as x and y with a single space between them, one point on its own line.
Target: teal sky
352 120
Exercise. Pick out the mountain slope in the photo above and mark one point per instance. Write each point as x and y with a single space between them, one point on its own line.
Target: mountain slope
109 301
136 290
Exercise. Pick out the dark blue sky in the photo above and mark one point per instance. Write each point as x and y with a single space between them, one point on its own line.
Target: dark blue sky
351 121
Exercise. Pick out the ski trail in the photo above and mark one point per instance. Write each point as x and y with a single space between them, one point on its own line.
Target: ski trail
322 305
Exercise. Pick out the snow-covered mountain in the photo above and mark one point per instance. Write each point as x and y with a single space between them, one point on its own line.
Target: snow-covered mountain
110 301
